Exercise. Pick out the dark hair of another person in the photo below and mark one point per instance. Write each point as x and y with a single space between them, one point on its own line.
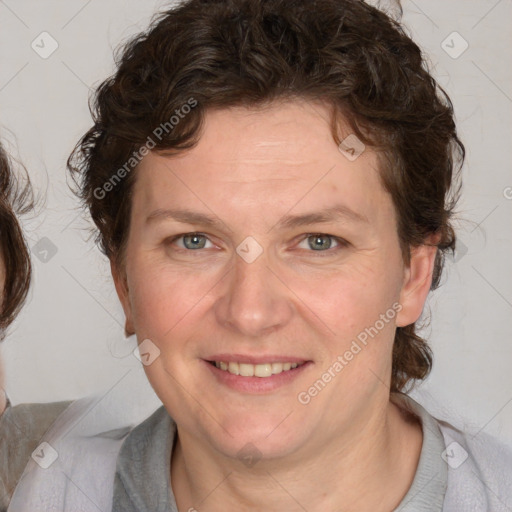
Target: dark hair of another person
227 53
15 199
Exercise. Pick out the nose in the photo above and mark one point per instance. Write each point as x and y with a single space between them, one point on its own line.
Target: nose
254 301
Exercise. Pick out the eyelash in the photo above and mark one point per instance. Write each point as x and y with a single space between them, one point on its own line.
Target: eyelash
327 252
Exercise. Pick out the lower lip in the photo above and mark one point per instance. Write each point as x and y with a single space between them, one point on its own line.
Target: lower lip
257 384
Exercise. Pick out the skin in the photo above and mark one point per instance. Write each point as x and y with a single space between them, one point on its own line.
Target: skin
350 448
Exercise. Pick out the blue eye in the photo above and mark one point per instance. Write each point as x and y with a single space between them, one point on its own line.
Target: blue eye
192 241
320 242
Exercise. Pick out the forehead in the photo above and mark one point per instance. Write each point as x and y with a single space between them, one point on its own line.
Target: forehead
267 159
269 140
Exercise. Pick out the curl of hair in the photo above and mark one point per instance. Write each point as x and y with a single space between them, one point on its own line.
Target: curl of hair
225 53
16 199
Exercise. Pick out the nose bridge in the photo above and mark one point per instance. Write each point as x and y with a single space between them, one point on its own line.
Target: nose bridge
254 302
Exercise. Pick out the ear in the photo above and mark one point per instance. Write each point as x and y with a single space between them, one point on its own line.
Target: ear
417 281
122 290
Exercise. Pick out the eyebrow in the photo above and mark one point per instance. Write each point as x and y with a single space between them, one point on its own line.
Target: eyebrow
337 212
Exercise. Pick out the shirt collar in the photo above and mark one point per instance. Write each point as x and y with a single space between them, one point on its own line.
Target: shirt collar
142 479
428 488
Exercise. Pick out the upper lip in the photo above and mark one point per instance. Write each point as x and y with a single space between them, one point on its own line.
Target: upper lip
246 359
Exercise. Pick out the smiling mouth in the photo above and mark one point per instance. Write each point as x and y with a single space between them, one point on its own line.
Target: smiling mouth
255 370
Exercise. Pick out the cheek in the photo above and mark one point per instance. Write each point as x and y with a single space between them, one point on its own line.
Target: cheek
164 299
361 314
350 299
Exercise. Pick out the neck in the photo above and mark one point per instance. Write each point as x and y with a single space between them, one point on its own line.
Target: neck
368 468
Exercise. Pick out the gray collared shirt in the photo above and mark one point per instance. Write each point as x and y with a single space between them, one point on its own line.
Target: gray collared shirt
142 479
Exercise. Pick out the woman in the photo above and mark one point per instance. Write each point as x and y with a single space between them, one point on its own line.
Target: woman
21 427
273 184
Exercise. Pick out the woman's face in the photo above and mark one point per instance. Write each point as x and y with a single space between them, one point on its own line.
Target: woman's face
300 257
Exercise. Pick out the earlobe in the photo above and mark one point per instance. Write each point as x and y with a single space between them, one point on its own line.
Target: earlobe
122 290
417 282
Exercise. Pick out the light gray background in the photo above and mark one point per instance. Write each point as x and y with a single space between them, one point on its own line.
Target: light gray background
68 341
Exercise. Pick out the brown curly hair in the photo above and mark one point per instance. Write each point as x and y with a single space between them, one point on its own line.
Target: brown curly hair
224 53
15 199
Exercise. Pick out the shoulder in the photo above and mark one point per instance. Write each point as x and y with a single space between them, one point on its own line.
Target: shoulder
479 470
81 446
475 467
21 429
32 418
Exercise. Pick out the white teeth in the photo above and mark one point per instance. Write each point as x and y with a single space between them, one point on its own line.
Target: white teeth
255 370
277 368
246 370
233 368
263 370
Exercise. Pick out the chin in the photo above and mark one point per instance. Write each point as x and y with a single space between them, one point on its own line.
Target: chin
266 438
